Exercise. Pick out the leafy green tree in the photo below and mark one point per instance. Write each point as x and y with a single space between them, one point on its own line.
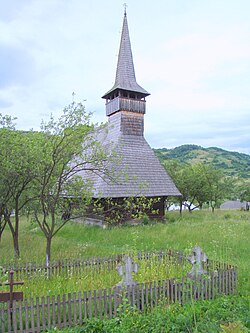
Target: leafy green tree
217 186
17 155
174 169
199 183
194 187
244 192
118 211
189 180
68 147
7 121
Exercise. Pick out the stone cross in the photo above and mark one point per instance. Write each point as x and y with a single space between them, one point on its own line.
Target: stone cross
125 271
197 258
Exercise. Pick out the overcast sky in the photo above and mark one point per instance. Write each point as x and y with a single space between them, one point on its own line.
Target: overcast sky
193 56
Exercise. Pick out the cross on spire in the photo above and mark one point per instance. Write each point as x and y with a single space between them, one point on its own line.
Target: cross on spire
125 8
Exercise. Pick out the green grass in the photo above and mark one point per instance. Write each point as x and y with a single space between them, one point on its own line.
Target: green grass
223 236
39 284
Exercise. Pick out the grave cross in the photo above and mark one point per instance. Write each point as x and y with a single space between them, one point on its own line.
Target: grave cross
196 259
125 271
11 295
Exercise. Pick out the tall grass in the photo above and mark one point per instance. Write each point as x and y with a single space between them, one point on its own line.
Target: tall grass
223 236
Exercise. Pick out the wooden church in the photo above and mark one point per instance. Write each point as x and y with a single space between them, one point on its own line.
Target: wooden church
137 169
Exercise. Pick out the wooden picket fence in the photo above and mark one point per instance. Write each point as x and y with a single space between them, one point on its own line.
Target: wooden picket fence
36 315
82 265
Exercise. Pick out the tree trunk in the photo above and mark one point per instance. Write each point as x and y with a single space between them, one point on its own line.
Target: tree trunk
16 245
180 206
3 223
48 251
16 233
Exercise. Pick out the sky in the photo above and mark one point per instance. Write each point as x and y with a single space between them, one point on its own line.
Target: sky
193 56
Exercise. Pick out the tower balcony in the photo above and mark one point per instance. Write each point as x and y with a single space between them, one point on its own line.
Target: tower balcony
125 104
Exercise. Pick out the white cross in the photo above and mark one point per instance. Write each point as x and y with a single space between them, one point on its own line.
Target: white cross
197 258
125 271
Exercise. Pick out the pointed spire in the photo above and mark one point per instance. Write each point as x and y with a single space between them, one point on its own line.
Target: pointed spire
125 73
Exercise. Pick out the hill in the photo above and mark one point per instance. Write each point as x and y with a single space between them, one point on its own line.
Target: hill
231 163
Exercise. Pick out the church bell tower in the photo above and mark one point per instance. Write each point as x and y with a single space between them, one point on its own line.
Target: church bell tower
125 101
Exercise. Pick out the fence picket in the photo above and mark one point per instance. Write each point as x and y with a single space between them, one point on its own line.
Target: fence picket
9 316
95 303
37 315
26 322
14 317
74 309
58 301
90 303
105 303
2 317
69 310
110 298
80 308
43 313
32 317
64 310
85 304
48 312
100 303
151 294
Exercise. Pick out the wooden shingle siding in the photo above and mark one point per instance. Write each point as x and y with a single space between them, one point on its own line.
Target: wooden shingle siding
126 104
132 125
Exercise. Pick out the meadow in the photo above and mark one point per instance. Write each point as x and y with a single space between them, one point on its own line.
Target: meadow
223 236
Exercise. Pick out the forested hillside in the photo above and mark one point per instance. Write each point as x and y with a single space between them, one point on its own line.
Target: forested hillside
232 163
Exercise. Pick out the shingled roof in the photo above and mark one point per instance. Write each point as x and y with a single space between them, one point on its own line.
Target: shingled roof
125 73
135 171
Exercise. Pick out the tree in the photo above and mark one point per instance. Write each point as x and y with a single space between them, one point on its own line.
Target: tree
17 163
199 183
217 186
174 169
244 192
16 156
189 181
120 210
67 148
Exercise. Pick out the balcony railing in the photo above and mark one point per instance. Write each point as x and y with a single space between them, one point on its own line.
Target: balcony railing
125 104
